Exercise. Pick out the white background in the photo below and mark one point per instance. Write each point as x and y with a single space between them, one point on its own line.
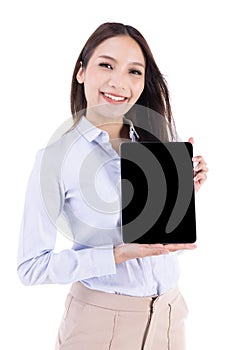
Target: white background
192 45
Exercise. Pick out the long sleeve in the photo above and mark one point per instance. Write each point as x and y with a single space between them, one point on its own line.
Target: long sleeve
37 261
73 189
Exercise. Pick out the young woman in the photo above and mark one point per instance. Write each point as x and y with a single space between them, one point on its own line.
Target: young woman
123 296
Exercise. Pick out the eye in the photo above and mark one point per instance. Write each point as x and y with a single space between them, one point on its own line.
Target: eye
105 65
135 72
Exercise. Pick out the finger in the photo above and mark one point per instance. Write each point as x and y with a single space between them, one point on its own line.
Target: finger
159 247
198 159
201 167
200 176
197 186
159 251
175 247
151 246
199 183
156 245
150 250
191 140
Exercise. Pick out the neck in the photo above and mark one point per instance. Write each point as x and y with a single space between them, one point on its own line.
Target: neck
114 127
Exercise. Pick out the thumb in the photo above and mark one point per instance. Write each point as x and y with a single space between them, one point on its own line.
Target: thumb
191 140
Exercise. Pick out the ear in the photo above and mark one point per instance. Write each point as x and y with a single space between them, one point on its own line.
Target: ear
80 75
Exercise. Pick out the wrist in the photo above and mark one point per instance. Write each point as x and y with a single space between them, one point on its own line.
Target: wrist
118 255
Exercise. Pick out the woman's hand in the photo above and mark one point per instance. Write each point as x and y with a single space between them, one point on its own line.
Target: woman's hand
200 170
128 251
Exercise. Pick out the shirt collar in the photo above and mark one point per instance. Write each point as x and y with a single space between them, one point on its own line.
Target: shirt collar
91 132
87 129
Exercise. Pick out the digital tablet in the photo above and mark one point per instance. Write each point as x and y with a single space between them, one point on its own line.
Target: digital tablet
157 192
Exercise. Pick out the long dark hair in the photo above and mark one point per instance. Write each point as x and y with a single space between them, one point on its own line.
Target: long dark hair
154 120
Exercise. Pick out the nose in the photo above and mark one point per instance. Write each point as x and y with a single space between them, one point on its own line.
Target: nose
118 80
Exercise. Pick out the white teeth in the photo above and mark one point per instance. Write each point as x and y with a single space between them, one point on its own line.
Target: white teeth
114 98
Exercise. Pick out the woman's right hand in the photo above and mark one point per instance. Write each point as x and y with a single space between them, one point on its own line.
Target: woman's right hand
127 251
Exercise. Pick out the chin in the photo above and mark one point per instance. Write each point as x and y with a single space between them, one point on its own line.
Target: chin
112 111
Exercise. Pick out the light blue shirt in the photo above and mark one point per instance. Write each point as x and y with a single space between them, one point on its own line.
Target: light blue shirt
74 190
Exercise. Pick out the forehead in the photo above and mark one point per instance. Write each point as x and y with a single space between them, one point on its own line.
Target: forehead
120 46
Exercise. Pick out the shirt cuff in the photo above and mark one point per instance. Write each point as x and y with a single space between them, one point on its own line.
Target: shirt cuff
103 260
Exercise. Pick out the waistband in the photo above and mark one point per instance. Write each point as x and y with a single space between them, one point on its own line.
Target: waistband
117 301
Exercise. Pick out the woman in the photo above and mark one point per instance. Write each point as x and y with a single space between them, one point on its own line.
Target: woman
123 296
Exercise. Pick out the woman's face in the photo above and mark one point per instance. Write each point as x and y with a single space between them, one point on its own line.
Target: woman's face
113 79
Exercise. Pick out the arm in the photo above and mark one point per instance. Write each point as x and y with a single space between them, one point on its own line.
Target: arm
37 261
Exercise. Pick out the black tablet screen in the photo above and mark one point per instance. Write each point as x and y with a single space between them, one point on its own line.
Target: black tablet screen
157 192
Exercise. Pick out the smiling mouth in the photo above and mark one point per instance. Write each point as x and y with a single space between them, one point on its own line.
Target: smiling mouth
114 98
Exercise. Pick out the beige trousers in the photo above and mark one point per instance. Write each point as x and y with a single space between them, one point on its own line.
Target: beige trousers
96 320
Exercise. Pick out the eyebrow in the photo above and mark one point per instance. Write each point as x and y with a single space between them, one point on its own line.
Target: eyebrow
113 59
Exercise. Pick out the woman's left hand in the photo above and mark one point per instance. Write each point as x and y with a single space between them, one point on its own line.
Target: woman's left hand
200 170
